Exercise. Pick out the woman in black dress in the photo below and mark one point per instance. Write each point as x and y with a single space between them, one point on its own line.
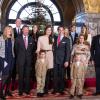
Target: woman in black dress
35 34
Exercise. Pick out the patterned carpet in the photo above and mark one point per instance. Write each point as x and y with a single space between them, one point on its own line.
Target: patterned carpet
89 82
87 95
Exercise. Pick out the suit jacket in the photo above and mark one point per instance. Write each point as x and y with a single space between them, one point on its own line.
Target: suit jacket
75 38
15 33
23 54
95 49
61 51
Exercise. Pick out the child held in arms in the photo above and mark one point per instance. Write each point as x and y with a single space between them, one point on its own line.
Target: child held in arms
41 69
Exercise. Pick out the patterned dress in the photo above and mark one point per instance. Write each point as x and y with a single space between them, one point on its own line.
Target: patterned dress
83 50
77 77
78 72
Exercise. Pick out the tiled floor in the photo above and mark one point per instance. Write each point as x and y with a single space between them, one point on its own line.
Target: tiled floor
87 96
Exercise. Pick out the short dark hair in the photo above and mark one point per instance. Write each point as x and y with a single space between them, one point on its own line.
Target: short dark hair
60 27
18 18
25 26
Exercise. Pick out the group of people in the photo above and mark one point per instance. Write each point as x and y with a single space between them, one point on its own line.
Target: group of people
45 57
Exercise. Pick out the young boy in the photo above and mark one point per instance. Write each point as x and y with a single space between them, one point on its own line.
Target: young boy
41 69
77 77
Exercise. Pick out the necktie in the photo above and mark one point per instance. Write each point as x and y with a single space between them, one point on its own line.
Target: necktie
73 35
25 42
18 31
58 40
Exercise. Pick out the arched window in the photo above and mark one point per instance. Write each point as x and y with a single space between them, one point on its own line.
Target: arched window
26 9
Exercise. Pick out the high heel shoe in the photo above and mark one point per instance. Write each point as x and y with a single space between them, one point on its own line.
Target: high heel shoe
2 96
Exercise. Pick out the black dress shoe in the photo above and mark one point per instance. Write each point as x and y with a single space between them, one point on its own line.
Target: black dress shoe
20 93
27 93
95 94
40 94
2 97
53 92
46 93
80 96
8 93
71 97
62 93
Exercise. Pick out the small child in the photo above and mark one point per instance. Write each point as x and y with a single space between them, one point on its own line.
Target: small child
41 69
77 77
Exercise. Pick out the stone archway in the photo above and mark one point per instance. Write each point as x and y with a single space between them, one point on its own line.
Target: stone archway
75 7
70 9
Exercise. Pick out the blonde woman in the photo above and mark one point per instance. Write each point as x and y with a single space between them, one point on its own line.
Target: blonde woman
6 60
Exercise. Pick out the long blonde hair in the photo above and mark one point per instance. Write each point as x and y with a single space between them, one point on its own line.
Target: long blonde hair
5 32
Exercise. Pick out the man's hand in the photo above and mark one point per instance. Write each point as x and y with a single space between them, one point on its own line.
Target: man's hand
66 64
92 62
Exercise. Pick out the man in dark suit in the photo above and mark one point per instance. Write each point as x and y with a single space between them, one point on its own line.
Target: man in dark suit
17 32
24 45
73 34
95 56
61 59
73 39
17 29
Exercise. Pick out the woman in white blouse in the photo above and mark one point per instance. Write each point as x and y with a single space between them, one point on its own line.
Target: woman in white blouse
45 42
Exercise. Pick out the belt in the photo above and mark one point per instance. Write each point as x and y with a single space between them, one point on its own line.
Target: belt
47 50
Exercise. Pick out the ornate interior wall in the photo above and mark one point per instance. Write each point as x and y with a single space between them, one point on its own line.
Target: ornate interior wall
90 16
92 6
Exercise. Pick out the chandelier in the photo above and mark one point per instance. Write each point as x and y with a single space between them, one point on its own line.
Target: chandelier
38 14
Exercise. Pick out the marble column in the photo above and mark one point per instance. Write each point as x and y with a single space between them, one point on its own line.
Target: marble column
92 20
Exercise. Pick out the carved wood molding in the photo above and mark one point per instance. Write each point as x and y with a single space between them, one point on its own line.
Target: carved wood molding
92 6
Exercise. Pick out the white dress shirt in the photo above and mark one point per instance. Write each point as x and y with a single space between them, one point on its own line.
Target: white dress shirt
18 29
73 35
